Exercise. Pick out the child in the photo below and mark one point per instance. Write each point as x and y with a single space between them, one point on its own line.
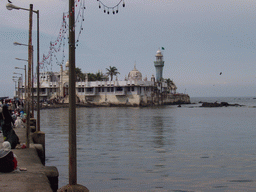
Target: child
8 161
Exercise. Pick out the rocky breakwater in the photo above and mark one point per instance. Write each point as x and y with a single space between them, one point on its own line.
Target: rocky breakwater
216 104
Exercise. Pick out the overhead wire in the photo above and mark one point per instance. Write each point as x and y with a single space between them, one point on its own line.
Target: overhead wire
59 44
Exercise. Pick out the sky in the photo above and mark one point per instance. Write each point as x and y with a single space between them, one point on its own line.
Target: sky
201 39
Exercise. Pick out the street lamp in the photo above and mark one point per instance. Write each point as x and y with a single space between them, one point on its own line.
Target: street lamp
15 86
21 59
10 6
20 80
16 43
73 186
17 73
25 77
25 69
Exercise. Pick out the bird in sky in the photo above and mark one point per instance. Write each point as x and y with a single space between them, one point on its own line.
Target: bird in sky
220 73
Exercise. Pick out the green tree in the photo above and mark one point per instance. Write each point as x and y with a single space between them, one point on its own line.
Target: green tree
79 74
170 84
91 76
98 76
112 71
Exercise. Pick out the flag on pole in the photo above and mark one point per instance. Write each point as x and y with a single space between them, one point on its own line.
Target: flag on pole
162 48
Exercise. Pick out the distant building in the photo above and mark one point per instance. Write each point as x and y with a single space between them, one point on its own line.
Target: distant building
132 91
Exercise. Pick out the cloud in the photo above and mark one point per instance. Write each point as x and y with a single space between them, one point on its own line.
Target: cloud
201 38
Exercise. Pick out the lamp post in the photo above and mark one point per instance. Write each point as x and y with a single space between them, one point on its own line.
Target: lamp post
27 101
73 186
10 6
16 43
20 80
72 101
25 77
15 86
26 84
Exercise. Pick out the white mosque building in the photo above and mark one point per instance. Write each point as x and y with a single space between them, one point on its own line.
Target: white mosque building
133 91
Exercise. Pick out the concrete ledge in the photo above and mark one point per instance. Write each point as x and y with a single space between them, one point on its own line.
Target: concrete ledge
39 138
40 152
33 179
73 188
37 177
52 174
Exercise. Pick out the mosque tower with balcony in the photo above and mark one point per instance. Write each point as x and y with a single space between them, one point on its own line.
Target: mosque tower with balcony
159 65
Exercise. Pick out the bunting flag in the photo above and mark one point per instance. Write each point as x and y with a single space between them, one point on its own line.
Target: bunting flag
107 8
59 44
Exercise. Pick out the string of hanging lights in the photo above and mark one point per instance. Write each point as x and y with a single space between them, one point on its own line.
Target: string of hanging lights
60 43
107 9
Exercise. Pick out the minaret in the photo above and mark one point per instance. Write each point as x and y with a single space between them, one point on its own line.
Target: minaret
159 65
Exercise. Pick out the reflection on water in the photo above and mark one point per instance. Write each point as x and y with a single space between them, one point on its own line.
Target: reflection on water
155 149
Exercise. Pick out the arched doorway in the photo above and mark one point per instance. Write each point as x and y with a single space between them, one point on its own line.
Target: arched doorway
65 89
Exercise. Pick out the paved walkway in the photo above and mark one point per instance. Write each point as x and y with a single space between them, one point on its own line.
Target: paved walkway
33 179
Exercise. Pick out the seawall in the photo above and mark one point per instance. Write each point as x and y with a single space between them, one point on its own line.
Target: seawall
37 177
125 101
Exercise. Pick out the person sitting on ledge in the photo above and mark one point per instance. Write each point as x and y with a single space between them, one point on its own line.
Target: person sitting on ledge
8 161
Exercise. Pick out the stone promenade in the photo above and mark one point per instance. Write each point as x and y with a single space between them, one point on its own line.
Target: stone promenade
37 177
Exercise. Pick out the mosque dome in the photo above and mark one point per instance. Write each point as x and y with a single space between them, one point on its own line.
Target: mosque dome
159 53
67 64
135 75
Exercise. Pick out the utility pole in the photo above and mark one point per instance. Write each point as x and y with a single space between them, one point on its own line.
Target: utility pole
72 97
29 74
73 186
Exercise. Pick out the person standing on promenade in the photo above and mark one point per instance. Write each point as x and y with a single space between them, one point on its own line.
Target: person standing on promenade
7 128
8 161
8 121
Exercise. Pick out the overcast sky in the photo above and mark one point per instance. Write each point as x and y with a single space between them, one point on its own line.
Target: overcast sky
201 39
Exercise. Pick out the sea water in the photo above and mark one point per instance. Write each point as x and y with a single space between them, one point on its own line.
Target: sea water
164 148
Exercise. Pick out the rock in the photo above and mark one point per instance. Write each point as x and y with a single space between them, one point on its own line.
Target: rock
216 104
